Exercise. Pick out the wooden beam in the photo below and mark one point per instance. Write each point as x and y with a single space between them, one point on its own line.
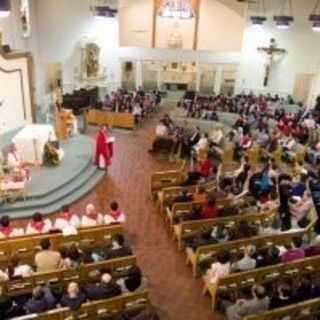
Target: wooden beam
196 26
154 23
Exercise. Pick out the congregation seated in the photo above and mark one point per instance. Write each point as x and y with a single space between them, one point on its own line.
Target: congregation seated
116 249
255 303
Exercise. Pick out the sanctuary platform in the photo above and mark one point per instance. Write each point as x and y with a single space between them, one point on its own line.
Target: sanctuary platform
50 188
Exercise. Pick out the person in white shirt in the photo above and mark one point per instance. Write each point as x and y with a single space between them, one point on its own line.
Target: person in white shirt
67 220
17 269
91 217
38 224
6 231
202 143
161 130
115 215
219 269
216 136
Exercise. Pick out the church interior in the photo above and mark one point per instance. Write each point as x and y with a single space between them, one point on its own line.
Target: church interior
159 159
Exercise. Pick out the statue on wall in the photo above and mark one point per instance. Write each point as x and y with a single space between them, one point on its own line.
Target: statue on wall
91 54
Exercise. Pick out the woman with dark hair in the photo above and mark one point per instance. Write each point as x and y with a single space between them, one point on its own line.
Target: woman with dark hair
219 269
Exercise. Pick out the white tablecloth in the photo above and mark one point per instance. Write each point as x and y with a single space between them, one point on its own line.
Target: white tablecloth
30 142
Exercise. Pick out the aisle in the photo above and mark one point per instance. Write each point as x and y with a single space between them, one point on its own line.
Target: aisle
171 286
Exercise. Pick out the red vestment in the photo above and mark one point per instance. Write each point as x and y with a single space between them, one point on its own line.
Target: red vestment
103 148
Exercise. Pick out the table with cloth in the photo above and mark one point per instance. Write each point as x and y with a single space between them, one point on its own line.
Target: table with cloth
30 142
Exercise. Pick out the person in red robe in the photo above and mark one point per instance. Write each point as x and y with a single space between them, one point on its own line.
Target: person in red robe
103 149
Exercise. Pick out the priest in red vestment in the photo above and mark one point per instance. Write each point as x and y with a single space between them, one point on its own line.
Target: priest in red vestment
103 149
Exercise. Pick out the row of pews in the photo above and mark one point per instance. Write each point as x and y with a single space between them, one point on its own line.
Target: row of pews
165 187
25 247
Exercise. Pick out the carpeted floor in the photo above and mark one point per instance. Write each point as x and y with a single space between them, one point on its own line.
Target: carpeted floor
173 290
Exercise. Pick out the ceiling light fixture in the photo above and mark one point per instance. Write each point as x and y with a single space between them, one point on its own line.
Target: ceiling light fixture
282 20
260 18
5 8
314 17
104 12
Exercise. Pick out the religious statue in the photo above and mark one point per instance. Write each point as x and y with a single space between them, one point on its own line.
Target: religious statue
91 60
270 52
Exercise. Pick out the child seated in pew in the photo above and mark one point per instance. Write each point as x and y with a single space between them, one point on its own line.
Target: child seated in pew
17 269
7 231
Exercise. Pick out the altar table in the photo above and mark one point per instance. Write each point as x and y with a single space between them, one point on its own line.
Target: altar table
30 142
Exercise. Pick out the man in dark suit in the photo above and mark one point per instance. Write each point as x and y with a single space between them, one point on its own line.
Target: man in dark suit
104 290
117 249
42 300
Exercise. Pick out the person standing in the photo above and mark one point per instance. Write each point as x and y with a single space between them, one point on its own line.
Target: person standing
103 153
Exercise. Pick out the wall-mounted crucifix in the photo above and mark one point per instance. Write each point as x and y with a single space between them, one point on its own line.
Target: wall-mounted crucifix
271 52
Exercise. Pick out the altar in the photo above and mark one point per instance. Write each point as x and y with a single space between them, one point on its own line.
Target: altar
30 142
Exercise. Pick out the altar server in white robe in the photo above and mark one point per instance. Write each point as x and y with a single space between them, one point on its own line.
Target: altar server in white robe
7 231
115 215
67 220
91 217
38 224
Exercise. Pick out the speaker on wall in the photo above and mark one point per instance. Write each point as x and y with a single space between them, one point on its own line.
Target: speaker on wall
128 66
6 48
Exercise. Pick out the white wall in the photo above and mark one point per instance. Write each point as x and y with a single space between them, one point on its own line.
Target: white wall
301 43
59 25
64 25
16 108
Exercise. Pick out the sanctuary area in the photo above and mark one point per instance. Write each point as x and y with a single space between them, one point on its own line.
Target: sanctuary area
159 159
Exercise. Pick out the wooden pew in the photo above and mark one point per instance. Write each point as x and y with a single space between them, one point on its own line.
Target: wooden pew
236 281
111 119
195 257
27 247
85 274
168 194
168 178
180 208
305 310
189 228
96 309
